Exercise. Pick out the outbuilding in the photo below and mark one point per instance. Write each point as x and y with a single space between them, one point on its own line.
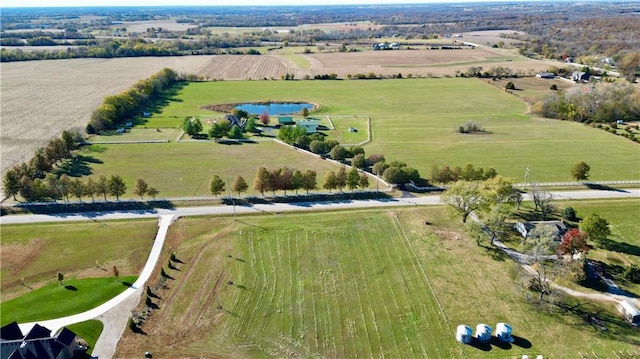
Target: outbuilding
464 334
483 333
503 332
630 312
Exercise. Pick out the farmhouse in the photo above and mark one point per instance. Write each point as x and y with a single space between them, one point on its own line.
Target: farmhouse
235 120
557 228
38 343
545 75
311 126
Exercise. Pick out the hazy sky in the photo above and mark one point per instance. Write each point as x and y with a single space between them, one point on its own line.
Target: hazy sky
52 3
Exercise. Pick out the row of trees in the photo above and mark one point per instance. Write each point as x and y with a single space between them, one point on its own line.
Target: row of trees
64 187
43 162
116 109
447 175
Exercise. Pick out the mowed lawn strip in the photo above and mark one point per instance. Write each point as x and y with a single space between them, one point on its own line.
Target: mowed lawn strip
185 169
56 301
37 252
89 331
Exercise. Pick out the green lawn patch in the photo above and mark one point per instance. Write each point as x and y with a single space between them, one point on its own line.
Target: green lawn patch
55 300
89 331
84 249
140 134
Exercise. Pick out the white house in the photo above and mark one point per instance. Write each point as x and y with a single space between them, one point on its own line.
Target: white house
463 334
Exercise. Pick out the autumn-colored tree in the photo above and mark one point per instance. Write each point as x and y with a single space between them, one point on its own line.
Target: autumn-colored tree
116 186
363 182
116 272
239 185
341 178
574 241
309 181
330 181
141 188
262 181
265 118
76 188
90 188
153 192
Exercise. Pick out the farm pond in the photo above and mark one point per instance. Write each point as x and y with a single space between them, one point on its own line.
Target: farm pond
274 108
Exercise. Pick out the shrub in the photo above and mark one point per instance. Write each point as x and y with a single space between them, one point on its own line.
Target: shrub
554 87
569 214
632 273
510 86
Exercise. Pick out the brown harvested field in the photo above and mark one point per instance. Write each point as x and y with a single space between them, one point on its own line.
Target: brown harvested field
42 98
418 62
247 67
489 37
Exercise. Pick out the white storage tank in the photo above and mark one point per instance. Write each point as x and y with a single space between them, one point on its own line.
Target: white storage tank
464 334
483 333
503 332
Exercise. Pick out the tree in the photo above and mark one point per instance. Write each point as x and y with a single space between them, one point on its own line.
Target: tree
117 187
102 186
463 198
235 133
341 178
60 278
239 185
90 188
629 65
76 188
52 183
542 200
70 139
192 126
510 86
363 182
330 181
64 184
116 272
216 185
262 181
218 130
309 180
574 241
264 118
153 192
569 214
339 153
11 183
358 161
580 171
495 224
596 228
353 178
141 188
305 112
297 179
284 179
250 125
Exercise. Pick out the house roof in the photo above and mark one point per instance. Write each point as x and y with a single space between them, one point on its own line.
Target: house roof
37 332
11 331
66 337
235 120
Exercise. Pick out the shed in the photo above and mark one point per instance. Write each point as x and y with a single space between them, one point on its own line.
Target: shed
630 312
546 75
285 120
503 332
464 334
483 333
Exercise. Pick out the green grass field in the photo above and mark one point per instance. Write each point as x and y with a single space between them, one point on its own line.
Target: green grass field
37 252
56 301
413 120
185 169
140 134
353 284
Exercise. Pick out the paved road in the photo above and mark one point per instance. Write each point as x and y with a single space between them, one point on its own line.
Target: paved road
289 207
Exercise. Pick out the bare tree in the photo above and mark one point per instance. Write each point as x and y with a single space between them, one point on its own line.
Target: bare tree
542 200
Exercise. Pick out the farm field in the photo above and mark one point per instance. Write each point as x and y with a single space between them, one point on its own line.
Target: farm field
37 252
350 284
185 169
413 120
68 91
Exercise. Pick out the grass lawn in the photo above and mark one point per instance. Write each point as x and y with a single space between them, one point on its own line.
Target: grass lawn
344 123
414 120
185 169
37 252
55 300
89 331
369 283
140 134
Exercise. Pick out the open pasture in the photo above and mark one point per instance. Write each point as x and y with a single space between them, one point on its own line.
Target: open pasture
37 252
415 120
185 169
351 284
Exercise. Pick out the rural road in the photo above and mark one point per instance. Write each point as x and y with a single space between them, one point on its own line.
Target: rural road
114 318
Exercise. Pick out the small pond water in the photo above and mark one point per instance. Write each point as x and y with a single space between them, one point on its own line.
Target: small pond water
274 109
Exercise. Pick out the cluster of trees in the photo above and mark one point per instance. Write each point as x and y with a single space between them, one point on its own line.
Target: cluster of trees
280 179
496 72
396 172
19 178
471 127
445 175
118 108
602 102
